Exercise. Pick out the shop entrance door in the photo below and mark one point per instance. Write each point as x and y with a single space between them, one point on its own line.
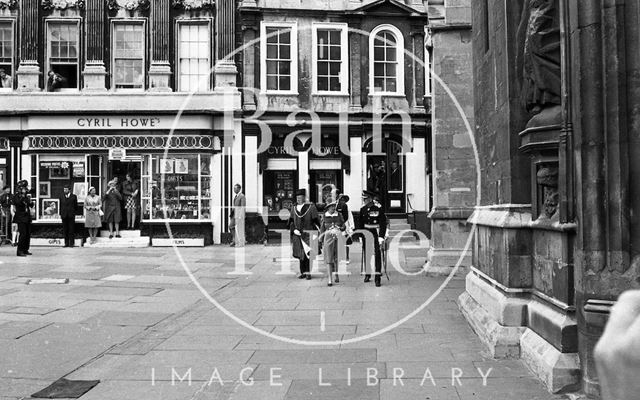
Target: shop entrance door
385 175
121 169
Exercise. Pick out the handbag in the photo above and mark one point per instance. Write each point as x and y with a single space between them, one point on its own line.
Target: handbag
101 213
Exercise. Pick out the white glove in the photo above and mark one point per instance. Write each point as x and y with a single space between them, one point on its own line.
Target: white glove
380 240
296 232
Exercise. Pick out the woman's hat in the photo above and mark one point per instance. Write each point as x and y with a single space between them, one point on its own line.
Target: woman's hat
91 187
22 183
343 196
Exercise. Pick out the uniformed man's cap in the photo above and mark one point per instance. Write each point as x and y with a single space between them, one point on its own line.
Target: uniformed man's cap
301 192
368 193
22 183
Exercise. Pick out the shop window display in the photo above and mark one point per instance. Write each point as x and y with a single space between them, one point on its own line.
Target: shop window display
279 191
187 187
53 175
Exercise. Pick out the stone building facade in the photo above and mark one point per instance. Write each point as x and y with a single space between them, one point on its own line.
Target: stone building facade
352 73
557 236
95 90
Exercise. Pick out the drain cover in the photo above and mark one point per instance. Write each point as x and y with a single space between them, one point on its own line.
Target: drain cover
65 389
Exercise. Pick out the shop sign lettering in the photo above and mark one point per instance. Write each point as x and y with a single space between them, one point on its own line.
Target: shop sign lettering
323 151
119 122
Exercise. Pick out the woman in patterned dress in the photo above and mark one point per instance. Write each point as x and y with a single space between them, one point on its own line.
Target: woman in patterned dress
130 190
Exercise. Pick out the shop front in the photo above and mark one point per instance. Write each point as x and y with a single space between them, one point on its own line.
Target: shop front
174 175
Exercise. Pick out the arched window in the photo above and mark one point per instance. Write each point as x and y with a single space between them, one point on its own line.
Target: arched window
386 61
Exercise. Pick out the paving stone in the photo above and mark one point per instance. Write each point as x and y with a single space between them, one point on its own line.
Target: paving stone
339 390
312 356
414 389
122 318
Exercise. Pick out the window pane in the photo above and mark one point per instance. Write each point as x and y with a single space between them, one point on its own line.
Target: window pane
272 67
334 84
272 82
194 57
391 85
391 54
335 52
285 52
335 37
390 70
378 69
378 53
284 67
323 36
334 68
285 83
272 51
323 83
323 68
272 36
285 35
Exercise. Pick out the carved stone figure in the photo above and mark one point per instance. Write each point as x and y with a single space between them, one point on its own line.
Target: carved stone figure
539 59
547 177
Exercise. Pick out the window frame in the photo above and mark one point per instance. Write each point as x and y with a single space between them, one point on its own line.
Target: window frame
79 49
344 58
12 23
400 89
195 21
145 39
294 56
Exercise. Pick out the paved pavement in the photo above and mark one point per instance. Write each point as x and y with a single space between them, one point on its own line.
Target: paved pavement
133 319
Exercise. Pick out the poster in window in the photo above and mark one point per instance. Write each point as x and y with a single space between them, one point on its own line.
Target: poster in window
50 209
181 166
44 190
80 190
166 166
78 170
59 171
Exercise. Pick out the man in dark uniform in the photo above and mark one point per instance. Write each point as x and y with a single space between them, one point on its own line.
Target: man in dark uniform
22 216
373 219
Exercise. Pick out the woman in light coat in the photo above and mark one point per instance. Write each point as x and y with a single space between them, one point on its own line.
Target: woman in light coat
92 210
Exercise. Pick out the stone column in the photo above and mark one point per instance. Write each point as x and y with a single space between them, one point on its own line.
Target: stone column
94 71
454 169
28 73
160 69
225 69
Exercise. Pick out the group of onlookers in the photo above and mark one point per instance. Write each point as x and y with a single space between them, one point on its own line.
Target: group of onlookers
17 212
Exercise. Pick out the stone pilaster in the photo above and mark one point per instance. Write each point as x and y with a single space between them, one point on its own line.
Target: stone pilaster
28 73
225 69
160 69
94 71
355 37
454 168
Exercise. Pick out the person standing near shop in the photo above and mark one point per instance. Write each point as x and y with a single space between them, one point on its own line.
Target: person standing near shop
131 193
304 218
373 219
112 208
68 205
332 229
347 216
237 217
92 211
5 206
22 217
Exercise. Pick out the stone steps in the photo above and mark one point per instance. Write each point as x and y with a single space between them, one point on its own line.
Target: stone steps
123 242
123 233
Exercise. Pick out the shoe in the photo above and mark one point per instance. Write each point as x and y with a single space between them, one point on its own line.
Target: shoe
308 276
28 253
232 244
378 283
347 262
110 236
21 255
301 276
367 278
118 235
329 284
337 280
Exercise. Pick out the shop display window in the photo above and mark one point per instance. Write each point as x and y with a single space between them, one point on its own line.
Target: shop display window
279 190
54 173
187 187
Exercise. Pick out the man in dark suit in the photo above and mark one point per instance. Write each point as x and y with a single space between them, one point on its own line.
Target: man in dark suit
68 205
22 205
